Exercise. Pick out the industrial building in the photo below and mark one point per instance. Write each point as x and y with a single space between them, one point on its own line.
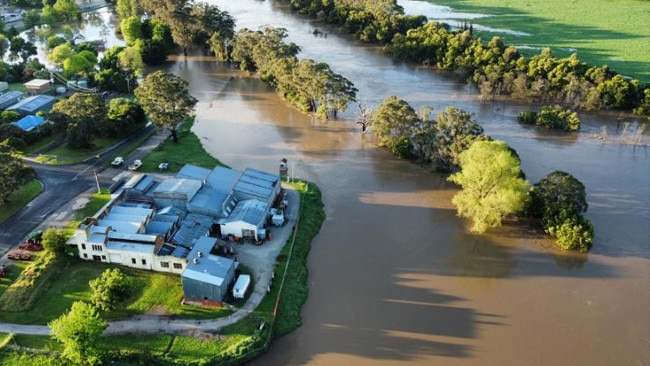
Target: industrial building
10 98
167 224
34 104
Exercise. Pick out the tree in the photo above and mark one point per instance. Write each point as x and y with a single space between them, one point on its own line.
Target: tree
455 132
491 187
393 120
67 9
54 240
60 53
125 116
166 99
109 289
83 115
21 48
80 331
573 232
13 173
556 192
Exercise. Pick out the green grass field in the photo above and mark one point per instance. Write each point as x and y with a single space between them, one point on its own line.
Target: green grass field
603 32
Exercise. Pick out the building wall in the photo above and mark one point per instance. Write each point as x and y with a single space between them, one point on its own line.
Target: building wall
193 289
173 264
235 228
137 260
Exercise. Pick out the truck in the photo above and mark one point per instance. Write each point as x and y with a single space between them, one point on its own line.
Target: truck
241 286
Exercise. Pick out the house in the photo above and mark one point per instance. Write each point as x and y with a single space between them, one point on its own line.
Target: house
32 105
37 86
29 123
207 277
10 98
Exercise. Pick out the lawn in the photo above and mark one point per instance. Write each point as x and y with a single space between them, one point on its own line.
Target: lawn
188 150
20 198
66 155
604 32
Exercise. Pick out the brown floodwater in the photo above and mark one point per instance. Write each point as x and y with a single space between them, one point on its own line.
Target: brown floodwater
395 278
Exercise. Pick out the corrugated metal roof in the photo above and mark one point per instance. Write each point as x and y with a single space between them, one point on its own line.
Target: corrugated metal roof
208 202
145 183
249 211
29 123
251 190
116 245
8 96
223 179
32 104
192 226
209 268
133 181
189 171
187 187
159 227
260 175
139 238
180 252
122 226
128 210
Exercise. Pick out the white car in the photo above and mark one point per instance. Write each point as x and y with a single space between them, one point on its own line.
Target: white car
135 165
118 161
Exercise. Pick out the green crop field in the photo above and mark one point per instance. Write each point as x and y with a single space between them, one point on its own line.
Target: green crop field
603 32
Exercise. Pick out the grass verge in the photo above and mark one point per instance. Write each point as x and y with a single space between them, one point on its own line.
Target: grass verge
66 155
20 198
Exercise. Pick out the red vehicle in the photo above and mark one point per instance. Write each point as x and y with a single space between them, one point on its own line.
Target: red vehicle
18 255
32 247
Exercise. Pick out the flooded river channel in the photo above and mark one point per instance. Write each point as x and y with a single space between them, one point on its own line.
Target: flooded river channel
394 276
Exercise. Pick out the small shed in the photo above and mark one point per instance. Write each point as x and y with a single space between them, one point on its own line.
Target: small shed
37 86
29 123
207 277
32 105
246 220
10 98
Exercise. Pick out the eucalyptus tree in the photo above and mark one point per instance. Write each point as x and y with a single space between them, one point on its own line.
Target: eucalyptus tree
393 120
166 99
455 132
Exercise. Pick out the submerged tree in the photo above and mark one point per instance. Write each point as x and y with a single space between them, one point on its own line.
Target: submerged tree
166 99
491 186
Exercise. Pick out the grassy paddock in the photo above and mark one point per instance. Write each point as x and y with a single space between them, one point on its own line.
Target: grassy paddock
20 198
603 32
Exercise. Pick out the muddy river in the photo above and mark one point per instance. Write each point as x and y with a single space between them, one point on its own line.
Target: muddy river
395 278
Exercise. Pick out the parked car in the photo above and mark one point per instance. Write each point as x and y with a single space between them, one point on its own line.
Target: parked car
118 161
19 255
135 165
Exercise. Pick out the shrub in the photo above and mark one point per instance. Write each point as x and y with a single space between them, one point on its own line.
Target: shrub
573 232
54 240
528 117
109 289
558 118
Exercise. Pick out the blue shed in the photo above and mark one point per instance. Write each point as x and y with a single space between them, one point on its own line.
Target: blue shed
29 123
207 277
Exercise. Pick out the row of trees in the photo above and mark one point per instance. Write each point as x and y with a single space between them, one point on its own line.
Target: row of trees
495 68
306 84
489 173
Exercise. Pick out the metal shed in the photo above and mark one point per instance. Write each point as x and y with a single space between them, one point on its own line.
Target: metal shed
189 171
176 192
29 123
246 220
32 105
207 277
10 98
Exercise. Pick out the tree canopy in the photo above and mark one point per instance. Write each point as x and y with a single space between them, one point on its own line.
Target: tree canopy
13 172
166 99
491 186
109 289
83 114
81 331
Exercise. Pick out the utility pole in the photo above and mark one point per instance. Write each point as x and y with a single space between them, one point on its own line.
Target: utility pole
99 190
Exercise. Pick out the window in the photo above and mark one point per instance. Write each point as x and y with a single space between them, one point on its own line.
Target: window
144 262
83 246
133 260
97 248
103 257
164 264
85 255
177 266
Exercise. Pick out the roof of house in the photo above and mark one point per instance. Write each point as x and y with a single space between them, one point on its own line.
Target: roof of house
29 123
36 83
205 267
